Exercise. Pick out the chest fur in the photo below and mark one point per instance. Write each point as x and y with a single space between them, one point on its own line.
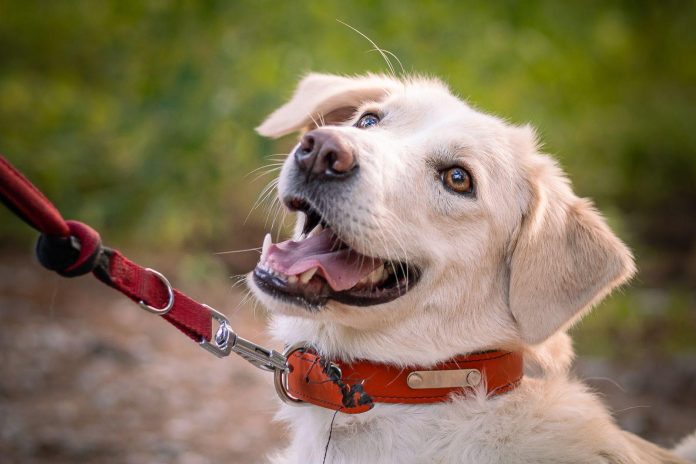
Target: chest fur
542 421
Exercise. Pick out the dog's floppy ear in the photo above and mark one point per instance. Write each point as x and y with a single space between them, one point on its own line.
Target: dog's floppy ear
325 99
565 258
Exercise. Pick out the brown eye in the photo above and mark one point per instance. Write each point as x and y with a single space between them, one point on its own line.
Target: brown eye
457 180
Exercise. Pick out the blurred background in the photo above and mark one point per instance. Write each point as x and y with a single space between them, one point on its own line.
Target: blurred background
137 117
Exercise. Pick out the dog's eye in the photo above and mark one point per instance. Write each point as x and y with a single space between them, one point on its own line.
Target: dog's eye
457 179
367 120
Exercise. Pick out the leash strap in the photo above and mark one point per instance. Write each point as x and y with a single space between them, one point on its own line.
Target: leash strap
72 248
152 291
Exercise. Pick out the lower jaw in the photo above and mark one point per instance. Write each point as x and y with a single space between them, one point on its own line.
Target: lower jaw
317 293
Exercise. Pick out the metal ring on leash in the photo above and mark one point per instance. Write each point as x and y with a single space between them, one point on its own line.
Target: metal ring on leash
279 378
170 294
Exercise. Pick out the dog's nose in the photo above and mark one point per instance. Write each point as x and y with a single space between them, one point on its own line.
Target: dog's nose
324 154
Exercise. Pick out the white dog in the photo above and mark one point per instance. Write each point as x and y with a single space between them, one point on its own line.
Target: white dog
431 236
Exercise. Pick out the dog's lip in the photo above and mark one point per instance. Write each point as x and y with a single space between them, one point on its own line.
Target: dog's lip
313 216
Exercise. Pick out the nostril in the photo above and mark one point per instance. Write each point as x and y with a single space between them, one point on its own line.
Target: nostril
306 153
330 158
342 161
307 143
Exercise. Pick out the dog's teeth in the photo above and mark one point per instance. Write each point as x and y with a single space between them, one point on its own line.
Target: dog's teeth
307 275
316 230
292 279
267 241
376 275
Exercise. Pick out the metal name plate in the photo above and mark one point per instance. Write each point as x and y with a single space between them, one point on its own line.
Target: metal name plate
444 379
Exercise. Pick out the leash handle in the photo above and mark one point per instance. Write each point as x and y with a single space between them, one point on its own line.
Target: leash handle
27 202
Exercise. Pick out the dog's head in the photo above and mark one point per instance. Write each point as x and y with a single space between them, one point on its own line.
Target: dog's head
423 216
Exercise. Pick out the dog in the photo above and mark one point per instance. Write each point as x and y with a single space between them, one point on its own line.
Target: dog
427 231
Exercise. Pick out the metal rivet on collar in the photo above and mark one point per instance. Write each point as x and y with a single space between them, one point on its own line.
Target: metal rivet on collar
414 380
474 377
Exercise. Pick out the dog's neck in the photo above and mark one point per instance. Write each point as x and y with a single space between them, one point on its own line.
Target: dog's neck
391 343
345 343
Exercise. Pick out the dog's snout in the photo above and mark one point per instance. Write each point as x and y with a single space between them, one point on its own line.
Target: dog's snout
324 155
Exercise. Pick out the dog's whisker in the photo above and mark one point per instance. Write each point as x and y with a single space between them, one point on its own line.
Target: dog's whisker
382 52
255 307
610 380
277 210
270 215
246 250
247 296
402 247
393 55
280 218
391 261
638 406
268 171
283 221
238 280
267 191
376 47
316 124
394 239
275 163
261 197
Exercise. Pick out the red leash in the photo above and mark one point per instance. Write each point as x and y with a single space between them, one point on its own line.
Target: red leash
72 248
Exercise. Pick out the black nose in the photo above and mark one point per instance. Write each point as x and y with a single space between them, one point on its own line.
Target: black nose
324 154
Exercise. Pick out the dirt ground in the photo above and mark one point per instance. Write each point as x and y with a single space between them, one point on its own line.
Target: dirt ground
86 376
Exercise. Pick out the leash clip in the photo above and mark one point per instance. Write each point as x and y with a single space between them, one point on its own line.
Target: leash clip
220 345
227 341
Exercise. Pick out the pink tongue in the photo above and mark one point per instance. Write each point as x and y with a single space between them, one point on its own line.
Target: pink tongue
342 269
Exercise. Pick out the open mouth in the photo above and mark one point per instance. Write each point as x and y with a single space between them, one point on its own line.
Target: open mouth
321 267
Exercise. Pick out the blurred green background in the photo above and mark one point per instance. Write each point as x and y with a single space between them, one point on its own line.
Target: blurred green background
137 117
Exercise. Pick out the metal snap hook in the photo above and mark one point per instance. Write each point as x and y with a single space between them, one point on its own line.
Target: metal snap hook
225 338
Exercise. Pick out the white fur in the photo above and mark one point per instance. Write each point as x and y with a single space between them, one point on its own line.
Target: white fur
687 447
511 268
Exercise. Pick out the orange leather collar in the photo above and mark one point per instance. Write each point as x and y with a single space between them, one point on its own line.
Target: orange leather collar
355 387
